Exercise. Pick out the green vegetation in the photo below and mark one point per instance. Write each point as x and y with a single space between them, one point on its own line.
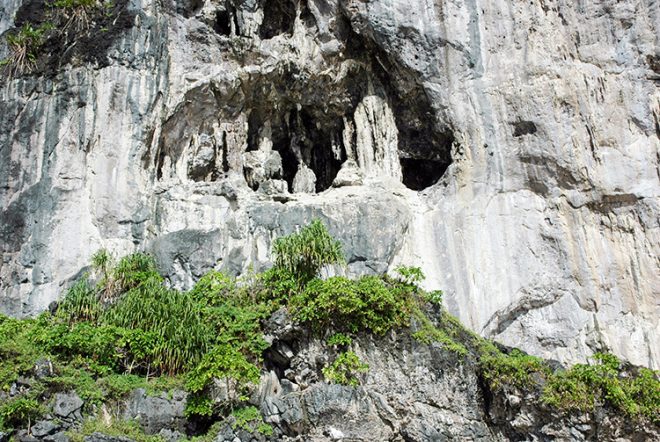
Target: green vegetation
515 369
59 18
24 46
345 368
19 411
583 387
122 328
250 420
371 303
303 254
117 427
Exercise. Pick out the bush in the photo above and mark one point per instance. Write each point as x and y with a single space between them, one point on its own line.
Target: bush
19 412
135 270
250 420
169 316
80 304
368 304
583 387
226 363
303 254
345 368
18 352
514 369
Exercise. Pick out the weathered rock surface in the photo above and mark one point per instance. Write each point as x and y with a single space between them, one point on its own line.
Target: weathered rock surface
411 392
510 149
156 413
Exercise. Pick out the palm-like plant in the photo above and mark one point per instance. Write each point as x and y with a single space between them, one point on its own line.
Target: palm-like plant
303 254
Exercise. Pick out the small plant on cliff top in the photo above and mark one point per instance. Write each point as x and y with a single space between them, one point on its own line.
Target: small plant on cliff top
303 254
23 47
74 14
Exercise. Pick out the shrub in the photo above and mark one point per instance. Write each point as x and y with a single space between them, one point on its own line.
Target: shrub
345 368
411 276
172 317
250 420
514 369
303 254
276 286
19 412
135 270
583 387
80 303
213 288
226 363
23 48
367 304
339 340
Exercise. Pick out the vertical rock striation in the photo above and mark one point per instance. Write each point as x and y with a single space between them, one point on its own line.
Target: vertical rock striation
510 149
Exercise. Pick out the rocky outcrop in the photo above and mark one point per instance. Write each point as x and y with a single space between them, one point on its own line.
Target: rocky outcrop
511 150
411 391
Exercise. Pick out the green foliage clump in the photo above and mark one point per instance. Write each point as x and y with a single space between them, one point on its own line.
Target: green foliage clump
18 352
339 340
368 304
81 303
117 427
20 412
513 369
227 364
345 368
583 387
250 420
170 318
303 254
24 46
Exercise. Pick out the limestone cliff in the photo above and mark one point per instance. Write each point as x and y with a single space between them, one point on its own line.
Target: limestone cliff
510 148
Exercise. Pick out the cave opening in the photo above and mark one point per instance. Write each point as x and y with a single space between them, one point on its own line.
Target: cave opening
424 143
419 174
300 136
279 18
222 24
323 149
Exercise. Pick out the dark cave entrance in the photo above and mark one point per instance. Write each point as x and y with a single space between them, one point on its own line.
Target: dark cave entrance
279 18
420 174
425 144
424 157
301 136
222 24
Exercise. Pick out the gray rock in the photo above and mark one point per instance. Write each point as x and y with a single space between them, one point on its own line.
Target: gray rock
66 404
44 428
57 437
154 414
170 435
43 368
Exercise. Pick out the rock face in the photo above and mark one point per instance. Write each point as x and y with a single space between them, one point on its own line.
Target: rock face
413 392
510 149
